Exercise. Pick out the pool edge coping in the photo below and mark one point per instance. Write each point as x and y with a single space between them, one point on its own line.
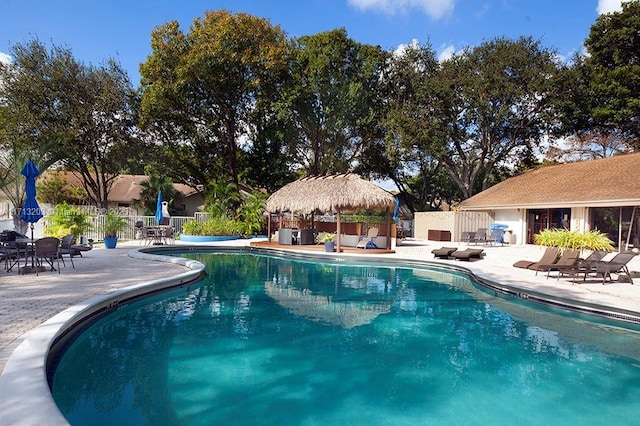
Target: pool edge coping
25 397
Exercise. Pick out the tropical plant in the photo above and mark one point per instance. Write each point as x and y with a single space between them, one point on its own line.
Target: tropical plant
565 239
251 213
68 220
326 237
113 225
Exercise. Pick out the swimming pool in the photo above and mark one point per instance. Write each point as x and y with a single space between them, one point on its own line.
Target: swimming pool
274 340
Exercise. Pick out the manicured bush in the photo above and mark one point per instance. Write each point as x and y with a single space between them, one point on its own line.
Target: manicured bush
565 239
214 226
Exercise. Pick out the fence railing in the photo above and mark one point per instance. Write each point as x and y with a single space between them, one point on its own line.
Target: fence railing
129 233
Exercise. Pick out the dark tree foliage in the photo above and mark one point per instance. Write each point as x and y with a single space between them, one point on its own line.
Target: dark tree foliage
333 101
61 110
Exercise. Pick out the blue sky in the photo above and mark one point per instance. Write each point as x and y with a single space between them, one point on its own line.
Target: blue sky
96 30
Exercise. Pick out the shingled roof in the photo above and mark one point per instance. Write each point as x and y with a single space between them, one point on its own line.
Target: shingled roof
613 181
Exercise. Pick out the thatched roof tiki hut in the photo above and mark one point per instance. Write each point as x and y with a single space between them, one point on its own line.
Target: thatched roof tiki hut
335 193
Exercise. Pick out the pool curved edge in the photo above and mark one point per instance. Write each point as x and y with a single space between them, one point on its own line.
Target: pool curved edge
25 397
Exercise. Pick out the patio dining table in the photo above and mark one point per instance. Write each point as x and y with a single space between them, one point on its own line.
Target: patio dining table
29 252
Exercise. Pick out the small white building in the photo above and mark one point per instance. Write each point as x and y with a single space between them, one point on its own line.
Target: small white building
599 194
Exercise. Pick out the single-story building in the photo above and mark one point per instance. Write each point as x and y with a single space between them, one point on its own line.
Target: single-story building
599 195
125 189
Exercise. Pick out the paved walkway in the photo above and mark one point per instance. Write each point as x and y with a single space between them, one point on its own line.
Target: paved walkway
28 300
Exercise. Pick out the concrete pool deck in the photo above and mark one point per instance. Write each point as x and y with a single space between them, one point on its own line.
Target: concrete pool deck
27 301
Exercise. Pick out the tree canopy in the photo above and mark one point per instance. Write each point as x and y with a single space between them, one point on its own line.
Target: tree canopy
61 111
202 89
233 101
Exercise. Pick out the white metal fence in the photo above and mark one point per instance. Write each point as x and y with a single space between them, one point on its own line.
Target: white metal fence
130 232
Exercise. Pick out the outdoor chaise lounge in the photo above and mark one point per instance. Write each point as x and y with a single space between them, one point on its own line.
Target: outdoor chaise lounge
583 265
443 252
373 232
569 259
480 236
616 265
467 254
549 257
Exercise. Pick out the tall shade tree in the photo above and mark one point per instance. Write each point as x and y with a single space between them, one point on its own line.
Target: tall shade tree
334 100
202 89
614 60
493 107
61 110
411 125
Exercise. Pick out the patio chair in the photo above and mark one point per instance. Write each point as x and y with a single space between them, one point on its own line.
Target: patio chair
583 266
373 232
12 255
496 237
443 252
467 254
168 235
550 256
47 250
617 265
466 237
569 259
66 248
480 236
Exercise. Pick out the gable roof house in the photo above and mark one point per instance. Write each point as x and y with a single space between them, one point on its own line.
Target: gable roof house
126 189
599 194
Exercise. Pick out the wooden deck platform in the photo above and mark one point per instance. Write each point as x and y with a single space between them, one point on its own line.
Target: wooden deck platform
317 248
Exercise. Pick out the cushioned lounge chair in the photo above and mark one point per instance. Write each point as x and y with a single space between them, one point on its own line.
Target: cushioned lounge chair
443 252
467 254
549 257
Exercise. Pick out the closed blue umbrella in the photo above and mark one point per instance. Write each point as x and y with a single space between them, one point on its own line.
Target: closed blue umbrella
159 208
31 212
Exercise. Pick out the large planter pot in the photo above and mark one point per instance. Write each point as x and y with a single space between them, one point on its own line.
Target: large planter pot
329 246
110 242
206 238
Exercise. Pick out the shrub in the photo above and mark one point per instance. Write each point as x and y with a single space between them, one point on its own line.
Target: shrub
216 226
565 239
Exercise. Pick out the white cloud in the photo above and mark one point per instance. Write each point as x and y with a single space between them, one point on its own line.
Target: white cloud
5 58
435 9
446 52
403 47
608 6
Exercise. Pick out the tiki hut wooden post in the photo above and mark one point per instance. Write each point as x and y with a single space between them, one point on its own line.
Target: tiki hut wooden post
335 193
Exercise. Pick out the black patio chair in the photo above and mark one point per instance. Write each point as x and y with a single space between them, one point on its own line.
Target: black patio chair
47 250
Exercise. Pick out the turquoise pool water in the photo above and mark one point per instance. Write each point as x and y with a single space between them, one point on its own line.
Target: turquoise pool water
275 341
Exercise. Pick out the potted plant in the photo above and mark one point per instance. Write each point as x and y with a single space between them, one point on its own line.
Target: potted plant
111 228
328 239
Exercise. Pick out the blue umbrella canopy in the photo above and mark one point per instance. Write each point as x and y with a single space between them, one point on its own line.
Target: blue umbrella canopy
31 212
159 208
